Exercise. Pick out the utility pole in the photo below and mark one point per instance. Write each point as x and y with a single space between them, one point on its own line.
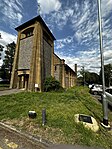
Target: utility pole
83 75
105 104
39 9
1 47
0 36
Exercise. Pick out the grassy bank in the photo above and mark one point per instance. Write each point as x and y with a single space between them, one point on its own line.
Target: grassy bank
60 108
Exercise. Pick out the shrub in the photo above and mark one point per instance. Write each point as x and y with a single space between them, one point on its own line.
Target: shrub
51 84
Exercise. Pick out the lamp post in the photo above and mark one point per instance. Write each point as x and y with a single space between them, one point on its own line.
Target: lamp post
105 104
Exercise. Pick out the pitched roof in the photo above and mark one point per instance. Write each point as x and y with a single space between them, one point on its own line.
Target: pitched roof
32 21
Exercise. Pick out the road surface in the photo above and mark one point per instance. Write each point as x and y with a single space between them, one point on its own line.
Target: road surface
10 91
12 139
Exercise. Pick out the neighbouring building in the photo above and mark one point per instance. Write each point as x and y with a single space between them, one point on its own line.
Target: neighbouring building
35 60
63 73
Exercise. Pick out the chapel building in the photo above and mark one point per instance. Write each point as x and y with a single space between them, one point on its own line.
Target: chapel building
35 59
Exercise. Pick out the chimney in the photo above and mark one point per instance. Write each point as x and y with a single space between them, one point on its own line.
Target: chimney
63 61
75 69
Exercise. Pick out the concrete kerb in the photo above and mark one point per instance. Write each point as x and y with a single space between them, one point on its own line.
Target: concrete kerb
42 142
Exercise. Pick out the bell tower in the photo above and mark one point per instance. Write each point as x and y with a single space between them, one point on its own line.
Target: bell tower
33 60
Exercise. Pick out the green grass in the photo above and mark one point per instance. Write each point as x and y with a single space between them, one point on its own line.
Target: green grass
60 109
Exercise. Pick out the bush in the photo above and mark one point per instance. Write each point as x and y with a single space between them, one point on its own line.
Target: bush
51 84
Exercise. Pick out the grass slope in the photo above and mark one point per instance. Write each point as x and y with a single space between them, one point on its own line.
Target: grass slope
60 108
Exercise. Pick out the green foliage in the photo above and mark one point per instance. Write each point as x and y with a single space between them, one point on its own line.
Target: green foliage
89 77
4 73
6 68
107 74
51 84
92 77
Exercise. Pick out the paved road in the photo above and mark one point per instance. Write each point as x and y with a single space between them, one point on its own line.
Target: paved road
12 139
10 91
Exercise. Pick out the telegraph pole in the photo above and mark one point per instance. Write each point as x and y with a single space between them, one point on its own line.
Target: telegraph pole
105 104
0 36
39 8
83 75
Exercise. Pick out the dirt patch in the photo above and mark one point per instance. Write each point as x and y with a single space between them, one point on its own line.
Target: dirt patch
55 135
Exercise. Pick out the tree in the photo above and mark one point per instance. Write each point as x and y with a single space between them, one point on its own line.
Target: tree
4 74
92 77
107 74
89 77
8 60
1 50
51 84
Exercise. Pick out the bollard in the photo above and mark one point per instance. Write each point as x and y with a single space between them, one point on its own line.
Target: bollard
43 116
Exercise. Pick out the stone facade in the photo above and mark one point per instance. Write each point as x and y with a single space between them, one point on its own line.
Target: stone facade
35 60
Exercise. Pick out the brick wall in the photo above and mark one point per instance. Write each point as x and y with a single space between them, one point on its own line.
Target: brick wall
25 53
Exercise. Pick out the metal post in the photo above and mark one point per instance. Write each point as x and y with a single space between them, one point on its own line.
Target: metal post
105 104
39 9
43 116
83 75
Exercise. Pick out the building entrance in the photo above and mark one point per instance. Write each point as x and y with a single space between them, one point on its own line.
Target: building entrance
23 81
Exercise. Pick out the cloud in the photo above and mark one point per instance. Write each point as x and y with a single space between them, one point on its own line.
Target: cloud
11 12
71 61
58 19
106 7
89 59
49 5
61 17
108 55
85 25
61 43
6 39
